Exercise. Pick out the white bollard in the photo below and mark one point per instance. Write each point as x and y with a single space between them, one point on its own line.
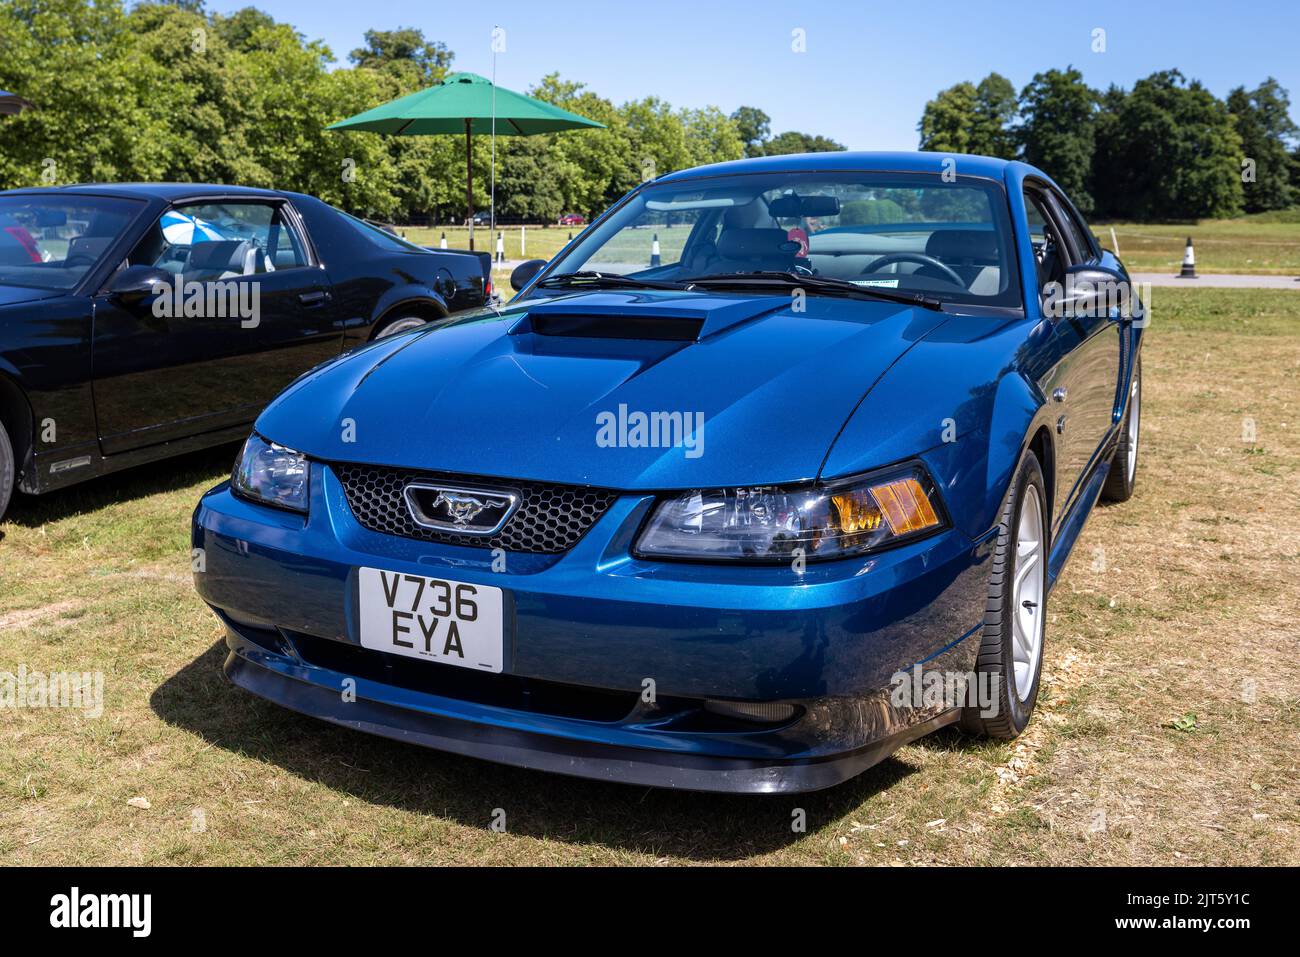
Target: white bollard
522 255
1189 262
442 243
501 247
654 250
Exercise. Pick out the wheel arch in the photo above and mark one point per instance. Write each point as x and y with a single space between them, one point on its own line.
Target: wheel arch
17 417
1044 449
429 309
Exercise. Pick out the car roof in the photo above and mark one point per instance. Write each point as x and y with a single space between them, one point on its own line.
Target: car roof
168 192
845 160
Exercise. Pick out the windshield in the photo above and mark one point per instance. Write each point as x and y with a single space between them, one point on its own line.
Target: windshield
909 233
51 242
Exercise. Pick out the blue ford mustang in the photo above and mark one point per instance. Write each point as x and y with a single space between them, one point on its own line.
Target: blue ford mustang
767 448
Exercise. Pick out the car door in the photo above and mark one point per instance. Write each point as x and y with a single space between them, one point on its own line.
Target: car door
1082 388
247 310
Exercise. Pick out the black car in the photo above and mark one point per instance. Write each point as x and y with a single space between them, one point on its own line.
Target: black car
142 321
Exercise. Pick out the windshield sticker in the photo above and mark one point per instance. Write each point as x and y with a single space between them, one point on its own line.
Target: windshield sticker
883 283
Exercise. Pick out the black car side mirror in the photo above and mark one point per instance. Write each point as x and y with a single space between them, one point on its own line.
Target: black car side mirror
524 273
1089 290
134 284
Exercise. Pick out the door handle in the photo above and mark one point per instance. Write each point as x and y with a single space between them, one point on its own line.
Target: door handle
316 298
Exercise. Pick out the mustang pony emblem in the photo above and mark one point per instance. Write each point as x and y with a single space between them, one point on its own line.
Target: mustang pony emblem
463 508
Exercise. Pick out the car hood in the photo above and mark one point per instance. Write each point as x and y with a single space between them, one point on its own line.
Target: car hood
12 295
549 389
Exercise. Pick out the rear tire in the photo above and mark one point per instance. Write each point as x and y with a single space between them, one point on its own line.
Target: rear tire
1123 465
398 324
7 470
1010 658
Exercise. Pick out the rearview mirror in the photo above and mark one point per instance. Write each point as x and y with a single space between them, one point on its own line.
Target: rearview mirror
524 273
793 206
134 284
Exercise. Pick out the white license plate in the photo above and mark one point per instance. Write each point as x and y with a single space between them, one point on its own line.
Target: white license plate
432 619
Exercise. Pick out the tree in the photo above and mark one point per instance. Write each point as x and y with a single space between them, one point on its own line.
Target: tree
754 128
946 122
972 119
406 51
1265 127
995 112
795 142
1166 150
1058 130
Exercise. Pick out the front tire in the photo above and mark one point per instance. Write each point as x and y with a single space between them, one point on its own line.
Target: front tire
1123 466
1010 658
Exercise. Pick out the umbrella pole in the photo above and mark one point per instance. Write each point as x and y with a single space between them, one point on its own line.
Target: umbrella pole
469 182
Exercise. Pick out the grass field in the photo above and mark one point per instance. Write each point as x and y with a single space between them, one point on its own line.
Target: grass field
1167 732
1245 245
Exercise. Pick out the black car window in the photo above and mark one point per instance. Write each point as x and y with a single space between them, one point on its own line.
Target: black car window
52 242
379 237
207 241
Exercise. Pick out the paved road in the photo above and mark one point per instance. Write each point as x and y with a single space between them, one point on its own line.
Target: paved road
1219 279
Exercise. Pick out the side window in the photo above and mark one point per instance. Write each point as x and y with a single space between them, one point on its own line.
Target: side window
210 241
1077 234
1050 256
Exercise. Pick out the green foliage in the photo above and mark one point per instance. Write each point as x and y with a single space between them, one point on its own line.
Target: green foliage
966 118
754 128
1058 130
1166 150
166 91
946 123
793 142
1265 127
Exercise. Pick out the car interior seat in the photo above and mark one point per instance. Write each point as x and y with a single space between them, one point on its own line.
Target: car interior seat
971 253
224 259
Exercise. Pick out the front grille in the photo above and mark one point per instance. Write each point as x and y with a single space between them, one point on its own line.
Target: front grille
550 518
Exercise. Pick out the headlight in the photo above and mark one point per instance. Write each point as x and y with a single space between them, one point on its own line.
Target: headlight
768 523
271 474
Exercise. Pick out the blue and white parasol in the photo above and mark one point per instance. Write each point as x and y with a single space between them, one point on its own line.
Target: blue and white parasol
182 230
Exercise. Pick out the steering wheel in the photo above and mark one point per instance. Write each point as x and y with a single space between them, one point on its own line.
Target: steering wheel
81 259
920 259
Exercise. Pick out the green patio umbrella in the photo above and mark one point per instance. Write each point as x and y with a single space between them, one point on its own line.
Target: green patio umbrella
11 103
465 103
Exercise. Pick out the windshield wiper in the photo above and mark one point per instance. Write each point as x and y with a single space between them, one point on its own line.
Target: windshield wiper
593 279
825 284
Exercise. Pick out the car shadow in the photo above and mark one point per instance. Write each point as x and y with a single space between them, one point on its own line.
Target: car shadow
139 481
695 826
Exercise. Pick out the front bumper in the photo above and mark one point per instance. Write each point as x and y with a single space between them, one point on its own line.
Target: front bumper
585 631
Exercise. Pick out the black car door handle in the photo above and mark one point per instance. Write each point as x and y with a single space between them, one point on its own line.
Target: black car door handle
313 298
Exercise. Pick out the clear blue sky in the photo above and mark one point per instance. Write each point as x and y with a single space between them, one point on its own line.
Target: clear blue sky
869 66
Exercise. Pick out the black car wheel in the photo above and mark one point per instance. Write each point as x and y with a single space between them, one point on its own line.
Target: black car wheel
391 327
7 468
1010 658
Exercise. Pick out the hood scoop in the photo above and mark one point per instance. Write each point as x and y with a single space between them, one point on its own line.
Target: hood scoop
613 326
676 317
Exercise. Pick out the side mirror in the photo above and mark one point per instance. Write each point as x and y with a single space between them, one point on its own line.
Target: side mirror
134 284
1089 291
524 273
